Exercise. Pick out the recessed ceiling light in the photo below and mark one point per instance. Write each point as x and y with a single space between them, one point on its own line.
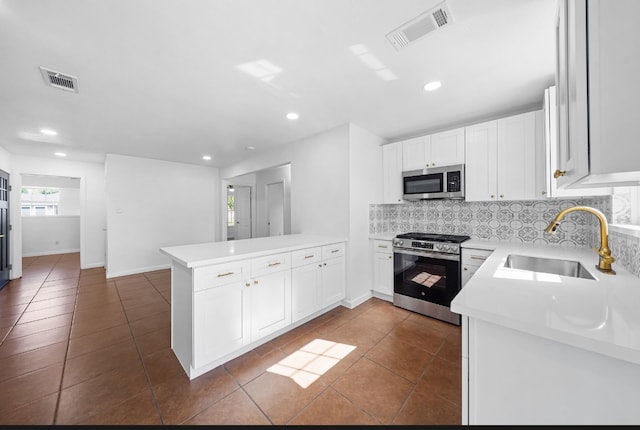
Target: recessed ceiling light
292 116
250 148
60 154
206 157
432 86
48 132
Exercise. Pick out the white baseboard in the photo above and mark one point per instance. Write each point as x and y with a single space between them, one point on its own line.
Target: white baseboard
57 251
93 265
136 271
383 296
352 303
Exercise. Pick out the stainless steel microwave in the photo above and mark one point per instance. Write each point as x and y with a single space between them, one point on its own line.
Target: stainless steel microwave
446 182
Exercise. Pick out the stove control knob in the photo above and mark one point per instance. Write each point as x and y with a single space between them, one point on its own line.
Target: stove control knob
398 242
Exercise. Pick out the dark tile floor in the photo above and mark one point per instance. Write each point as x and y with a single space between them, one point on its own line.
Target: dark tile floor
77 348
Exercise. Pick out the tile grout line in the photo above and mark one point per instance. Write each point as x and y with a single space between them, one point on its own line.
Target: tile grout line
144 367
66 352
27 306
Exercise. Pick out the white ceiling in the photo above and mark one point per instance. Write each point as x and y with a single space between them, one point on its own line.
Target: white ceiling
160 78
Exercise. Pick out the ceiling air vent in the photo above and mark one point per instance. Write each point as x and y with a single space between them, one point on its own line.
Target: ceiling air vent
59 80
431 20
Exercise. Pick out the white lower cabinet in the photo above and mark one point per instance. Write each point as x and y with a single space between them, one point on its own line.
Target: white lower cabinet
514 378
471 260
220 322
270 298
383 269
333 273
237 305
306 291
230 316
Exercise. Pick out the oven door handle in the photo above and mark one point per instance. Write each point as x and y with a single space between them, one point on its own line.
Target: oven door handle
442 256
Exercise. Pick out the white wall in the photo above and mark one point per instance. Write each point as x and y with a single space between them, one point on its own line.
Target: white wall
92 205
264 178
153 203
319 180
45 235
365 187
69 203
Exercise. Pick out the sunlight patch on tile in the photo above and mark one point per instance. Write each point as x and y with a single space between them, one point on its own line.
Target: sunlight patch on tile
313 360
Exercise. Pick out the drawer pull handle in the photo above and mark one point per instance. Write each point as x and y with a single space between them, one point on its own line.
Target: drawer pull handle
473 257
383 246
274 264
334 251
309 256
220 275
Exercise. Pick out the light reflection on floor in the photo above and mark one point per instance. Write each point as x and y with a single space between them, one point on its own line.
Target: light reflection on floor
311 361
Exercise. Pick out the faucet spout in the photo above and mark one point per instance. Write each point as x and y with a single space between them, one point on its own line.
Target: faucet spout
604 263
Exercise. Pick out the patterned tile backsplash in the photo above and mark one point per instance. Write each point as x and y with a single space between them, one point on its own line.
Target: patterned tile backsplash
513 221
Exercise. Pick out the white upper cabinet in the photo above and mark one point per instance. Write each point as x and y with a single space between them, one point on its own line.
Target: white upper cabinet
481 161
414 153
447 148
500 159
435 150
516 157
598 92
392 172
547 154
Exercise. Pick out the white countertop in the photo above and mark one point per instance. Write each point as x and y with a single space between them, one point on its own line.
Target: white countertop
383 236
601 315
204 254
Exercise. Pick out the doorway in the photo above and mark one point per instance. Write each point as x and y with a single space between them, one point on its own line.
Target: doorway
275 208
5 265
50 215
239 199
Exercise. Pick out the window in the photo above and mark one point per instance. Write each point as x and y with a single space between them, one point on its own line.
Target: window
37 201
626 206
231 218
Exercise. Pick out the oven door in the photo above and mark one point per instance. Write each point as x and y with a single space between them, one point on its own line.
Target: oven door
432 277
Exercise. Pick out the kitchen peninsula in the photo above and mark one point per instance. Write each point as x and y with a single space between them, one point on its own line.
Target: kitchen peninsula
230 297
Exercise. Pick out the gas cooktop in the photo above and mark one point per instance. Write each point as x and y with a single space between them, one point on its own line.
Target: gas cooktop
434 237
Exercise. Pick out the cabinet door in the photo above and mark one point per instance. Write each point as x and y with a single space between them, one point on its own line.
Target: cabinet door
392 172
220 322
270 308
571 78
516 157
306 290
481 162
383 273
447 148
333 281
414 153
548 152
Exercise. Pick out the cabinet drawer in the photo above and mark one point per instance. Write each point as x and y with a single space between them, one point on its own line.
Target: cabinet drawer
474 257
333 250
220 274
270 264
305 256
383 246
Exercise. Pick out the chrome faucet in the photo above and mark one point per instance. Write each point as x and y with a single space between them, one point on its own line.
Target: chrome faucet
604 264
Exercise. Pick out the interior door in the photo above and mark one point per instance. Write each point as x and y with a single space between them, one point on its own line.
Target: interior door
242 208
275 208
4 228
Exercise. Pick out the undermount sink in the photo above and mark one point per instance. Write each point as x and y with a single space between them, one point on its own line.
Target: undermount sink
548 265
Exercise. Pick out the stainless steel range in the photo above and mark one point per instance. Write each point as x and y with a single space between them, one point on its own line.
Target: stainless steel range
427 273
